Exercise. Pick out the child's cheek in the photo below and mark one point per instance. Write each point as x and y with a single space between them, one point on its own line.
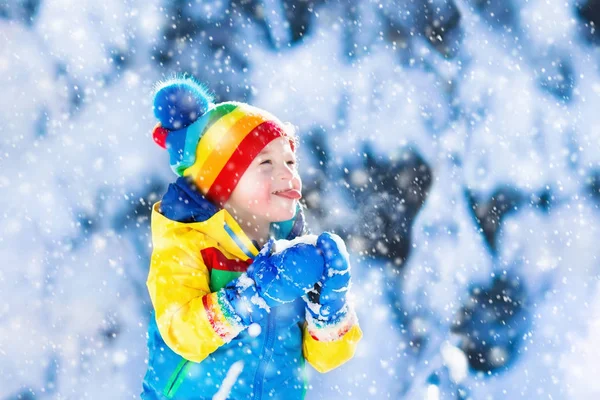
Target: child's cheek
298 179
262 187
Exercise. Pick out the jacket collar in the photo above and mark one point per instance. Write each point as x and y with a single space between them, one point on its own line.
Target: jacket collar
221 227
184 204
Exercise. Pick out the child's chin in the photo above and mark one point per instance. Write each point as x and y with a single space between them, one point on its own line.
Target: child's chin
284 215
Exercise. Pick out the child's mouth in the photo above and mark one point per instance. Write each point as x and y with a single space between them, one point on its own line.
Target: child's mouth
290 194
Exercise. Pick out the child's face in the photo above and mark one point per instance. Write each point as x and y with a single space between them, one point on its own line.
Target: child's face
273 170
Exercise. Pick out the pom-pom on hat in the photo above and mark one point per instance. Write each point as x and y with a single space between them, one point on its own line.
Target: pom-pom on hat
213 144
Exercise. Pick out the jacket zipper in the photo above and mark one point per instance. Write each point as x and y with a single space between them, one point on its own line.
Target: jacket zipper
268 347
176 379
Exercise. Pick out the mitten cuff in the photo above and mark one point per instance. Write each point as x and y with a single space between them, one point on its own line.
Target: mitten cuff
327 330
222 316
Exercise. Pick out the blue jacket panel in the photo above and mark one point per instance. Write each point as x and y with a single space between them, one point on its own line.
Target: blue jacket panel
272 359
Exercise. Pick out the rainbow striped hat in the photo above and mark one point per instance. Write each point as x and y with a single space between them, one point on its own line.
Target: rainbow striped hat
213 144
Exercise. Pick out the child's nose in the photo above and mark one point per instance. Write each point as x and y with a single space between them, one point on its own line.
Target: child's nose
285 172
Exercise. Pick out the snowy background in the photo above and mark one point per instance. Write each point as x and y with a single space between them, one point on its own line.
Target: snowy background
454 145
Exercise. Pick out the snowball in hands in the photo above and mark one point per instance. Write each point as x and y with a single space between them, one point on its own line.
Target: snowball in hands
287 272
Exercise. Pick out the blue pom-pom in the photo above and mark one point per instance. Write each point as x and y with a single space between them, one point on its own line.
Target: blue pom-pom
179 102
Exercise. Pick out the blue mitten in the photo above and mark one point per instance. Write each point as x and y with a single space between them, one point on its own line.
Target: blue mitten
327 304
284 276
274 279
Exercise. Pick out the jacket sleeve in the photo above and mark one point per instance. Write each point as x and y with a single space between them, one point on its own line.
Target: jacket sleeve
326 347
192 321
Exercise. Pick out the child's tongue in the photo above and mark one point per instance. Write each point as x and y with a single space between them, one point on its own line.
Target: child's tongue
290 194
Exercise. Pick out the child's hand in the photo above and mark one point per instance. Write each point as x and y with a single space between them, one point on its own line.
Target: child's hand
330 304
274 279
283 277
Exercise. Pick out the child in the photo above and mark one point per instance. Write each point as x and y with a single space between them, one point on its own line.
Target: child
238 288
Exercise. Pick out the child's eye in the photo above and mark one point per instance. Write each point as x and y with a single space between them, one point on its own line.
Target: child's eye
266 162
291 162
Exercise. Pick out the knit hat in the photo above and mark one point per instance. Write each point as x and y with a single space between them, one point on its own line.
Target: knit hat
213 144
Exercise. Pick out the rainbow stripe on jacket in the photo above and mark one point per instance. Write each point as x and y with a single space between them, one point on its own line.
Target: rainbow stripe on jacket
216 149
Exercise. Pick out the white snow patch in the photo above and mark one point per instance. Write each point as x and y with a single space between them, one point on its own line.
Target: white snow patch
282 244
456 362
232 374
